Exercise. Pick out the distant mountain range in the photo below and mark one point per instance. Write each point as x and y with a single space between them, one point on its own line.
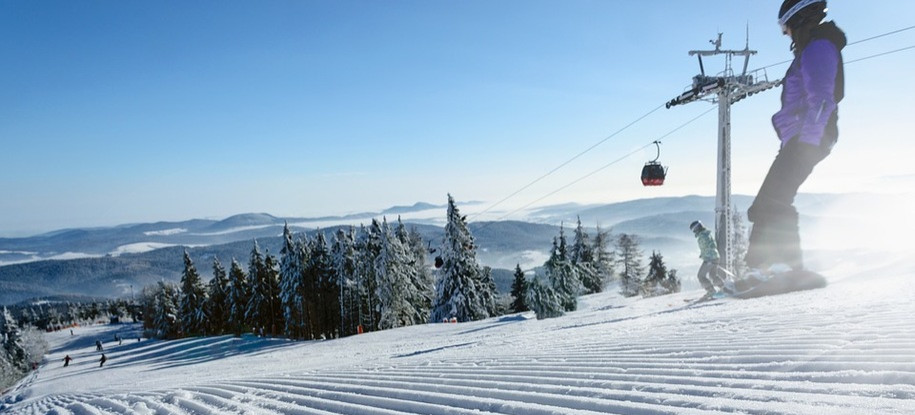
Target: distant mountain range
134 238
118 261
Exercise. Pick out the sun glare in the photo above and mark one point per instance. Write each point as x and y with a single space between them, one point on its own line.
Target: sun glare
865 222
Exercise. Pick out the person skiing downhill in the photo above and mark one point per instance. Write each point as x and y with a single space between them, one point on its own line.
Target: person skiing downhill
67 360
708 251
806 126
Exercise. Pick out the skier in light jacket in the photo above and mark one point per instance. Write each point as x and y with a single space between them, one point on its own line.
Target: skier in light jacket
806 126
708 251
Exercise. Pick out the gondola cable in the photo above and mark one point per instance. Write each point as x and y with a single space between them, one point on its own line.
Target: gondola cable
567 162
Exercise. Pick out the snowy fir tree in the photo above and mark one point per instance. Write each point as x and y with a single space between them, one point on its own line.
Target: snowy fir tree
115 309
629 259
422 278
393 268
368 247
263 306
582 256
193 298
237 300
657 271
417 291
375 280
659 280
22 346
9 374
603 257
147 300
490 293
672 282
35 345
55 315
543 299
519 291
343 254
255 316
292 296
165 321
321 301
273 309
257 296
562 274
13 347
330 292
12 354
217 310
459 286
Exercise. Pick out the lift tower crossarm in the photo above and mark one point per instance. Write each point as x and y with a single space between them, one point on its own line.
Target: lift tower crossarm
744 52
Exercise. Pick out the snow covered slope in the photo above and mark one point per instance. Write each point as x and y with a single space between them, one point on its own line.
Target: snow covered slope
846 349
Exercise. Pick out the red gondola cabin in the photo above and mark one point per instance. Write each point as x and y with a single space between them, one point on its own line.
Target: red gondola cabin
653 174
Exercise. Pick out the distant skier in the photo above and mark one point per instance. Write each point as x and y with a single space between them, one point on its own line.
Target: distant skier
806 125
67 360
101 362
708 251
98 345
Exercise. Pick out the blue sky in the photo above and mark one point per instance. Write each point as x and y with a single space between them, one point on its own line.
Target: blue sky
115 112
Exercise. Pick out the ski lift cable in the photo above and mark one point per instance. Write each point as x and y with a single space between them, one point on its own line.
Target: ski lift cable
568 185
881 54
525 187
567 162
671 132
881 35
664 136
850 44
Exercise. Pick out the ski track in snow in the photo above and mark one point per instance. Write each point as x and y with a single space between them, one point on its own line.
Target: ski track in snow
846 349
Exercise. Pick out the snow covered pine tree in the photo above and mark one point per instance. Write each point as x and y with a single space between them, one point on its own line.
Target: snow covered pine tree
193 298
543 299
519 291
459 289
237 298
563 276
217 311
582 256
629 257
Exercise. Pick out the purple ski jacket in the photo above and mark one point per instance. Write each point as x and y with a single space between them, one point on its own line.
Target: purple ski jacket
813 87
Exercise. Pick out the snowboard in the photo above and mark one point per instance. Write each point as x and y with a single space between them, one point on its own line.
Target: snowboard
780 283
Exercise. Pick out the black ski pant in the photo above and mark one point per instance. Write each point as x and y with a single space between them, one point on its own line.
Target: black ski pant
708 276
775 237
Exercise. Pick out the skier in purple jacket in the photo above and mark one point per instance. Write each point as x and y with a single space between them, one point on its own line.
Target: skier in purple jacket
806 127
